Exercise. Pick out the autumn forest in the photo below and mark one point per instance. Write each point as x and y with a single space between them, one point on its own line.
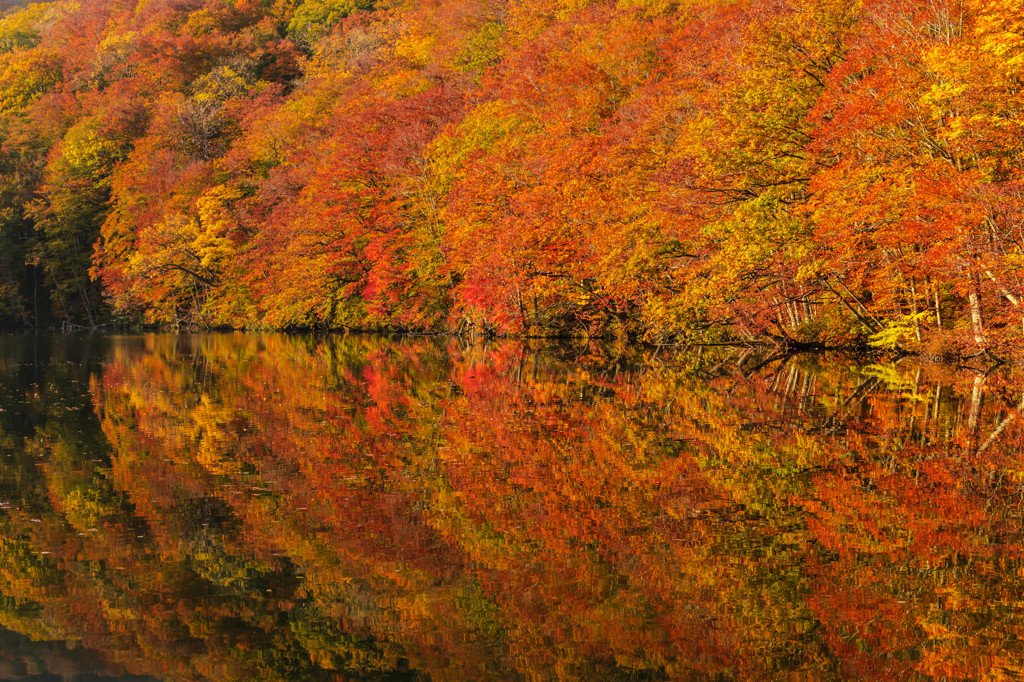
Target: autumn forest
819 172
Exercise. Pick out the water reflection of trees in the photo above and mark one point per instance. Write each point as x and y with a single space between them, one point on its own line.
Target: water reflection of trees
280 507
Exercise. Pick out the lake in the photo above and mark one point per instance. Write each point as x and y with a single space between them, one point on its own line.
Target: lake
287 507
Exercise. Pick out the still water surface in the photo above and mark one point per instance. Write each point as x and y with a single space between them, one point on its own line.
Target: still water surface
271 507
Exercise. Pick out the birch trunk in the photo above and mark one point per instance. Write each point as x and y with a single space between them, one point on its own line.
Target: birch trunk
976 322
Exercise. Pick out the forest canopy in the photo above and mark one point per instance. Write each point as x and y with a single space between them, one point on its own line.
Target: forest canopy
808 171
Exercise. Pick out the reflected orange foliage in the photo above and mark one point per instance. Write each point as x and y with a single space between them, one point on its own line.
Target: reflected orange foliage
288 507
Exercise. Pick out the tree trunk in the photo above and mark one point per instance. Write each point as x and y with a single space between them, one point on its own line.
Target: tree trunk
974 300
913 310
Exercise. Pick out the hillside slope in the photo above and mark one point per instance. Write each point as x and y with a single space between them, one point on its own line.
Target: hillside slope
821 171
